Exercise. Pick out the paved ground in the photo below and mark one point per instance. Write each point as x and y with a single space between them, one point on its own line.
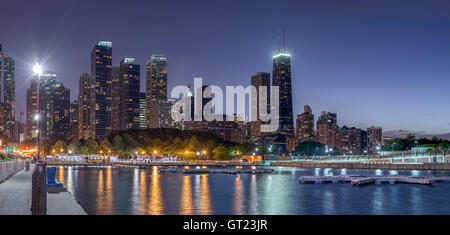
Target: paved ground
63 204
15 194
15 198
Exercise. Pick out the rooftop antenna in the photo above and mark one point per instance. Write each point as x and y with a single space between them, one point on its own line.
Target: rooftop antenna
279 41
284 39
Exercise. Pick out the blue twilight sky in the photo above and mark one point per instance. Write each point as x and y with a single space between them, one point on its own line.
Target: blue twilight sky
372 62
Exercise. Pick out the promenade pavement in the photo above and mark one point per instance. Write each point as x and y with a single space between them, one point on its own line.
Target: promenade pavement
15 197
15 194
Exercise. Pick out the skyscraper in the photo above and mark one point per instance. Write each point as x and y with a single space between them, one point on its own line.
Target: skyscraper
129 77
84 93
305 125
260 81
142 110
53 106
31 102
61 110
116 95
156 77
100 98
327 129
282 79
155 81
9 89
374 139
74 119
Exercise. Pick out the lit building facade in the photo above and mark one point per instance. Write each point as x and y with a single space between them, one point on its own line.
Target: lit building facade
160 116
129 77
374 139
156 77
9 98
84 93
327 129
61 111
305 125
100 98
260 81
282 79
142 110
74 113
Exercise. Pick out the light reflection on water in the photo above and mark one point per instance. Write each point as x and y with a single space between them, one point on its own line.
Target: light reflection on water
110 190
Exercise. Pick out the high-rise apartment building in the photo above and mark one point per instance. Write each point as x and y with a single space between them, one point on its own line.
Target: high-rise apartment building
261 81
101 97
327 129
31 111
129 77
142 110
9 98
160 116
52 103
156 77
155 81
351 140
84 93
74 112
305 125
61 110
116 96
374 139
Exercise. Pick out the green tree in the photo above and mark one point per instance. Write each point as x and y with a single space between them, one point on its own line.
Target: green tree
105 146
92 145
220 153
74 146
117 144
310 148
59 147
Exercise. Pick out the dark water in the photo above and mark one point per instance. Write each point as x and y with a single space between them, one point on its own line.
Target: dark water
110 190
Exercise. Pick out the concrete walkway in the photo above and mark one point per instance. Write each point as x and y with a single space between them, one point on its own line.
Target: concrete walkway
15 197
63 204
15 194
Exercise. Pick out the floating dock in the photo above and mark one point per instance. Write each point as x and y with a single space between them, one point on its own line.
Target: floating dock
215 170
358 180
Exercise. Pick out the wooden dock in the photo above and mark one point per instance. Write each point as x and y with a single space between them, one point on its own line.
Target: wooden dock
203 170
357 180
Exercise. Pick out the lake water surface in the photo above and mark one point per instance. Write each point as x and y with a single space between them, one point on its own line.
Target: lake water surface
114 190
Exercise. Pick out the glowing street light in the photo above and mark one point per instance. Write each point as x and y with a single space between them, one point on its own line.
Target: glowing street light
37 69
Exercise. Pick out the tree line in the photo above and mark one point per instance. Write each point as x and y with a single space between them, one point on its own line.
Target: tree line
173 142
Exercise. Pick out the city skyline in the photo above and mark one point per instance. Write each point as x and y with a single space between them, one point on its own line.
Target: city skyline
388 96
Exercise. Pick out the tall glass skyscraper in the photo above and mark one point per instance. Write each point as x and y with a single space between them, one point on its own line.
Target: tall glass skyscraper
129 77
100 111
84 92
142 111
155 81
282 79
9 90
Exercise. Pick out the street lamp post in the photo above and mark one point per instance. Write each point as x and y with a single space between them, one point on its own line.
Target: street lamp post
37 69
